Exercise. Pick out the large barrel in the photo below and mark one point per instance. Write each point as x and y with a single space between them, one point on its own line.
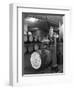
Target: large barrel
40 59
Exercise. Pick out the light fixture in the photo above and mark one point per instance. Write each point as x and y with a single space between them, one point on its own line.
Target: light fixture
31 19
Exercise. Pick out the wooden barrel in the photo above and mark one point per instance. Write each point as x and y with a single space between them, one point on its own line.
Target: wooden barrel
30 48
30 38
36 47
35 60
40 59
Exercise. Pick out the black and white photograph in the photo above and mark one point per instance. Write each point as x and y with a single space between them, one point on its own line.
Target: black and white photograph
42 43
39 45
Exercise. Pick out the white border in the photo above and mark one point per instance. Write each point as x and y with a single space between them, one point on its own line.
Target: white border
16 39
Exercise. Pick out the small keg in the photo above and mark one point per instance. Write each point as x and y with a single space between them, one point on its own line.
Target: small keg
30 36
30 48
40 59
36 47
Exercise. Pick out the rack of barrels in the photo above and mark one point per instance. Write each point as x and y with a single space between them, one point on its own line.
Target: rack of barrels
36 52
39 53
31 43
